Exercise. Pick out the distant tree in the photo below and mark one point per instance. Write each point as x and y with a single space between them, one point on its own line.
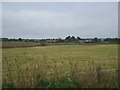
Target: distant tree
95 39
78 38
73 38
112 40
68 38
107 39
60 40
20 39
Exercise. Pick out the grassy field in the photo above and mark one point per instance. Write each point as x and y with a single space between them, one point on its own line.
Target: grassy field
65 66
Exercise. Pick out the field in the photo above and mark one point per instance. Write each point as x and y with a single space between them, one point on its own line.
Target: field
12 44
15 44
63 66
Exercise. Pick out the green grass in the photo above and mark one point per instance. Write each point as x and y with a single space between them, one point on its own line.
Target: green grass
55 64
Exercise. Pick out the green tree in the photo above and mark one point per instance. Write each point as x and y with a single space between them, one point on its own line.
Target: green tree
73 38
60 40
68 38
78 38
96 39
20 39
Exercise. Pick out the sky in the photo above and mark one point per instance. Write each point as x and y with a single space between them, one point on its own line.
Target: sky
40 20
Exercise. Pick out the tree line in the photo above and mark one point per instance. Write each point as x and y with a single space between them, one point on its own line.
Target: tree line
68 39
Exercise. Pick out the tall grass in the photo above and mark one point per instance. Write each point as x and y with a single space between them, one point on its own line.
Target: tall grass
44 74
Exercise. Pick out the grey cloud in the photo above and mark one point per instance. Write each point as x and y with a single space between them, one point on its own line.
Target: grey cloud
59 20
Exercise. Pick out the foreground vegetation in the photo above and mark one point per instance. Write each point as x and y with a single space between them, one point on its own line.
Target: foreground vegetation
66 66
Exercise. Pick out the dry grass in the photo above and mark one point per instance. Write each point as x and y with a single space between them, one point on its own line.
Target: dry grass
61 66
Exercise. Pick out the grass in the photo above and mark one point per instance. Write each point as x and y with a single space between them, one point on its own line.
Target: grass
67 66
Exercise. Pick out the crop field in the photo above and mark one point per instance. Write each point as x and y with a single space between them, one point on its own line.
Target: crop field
63 66
12 44
15 44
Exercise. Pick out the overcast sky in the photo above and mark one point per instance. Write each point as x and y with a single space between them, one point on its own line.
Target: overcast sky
54 20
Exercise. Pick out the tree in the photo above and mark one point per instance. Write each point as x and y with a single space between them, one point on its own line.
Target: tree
78 38
20 39
60 40
73 38
68 38
96 39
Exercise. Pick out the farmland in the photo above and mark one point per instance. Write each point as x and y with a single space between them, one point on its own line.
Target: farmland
15 44
67 66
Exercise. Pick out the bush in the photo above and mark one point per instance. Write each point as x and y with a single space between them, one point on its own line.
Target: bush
42 44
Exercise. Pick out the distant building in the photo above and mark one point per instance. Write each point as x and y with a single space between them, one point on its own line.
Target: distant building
102 39
85 41
82 41
88 41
